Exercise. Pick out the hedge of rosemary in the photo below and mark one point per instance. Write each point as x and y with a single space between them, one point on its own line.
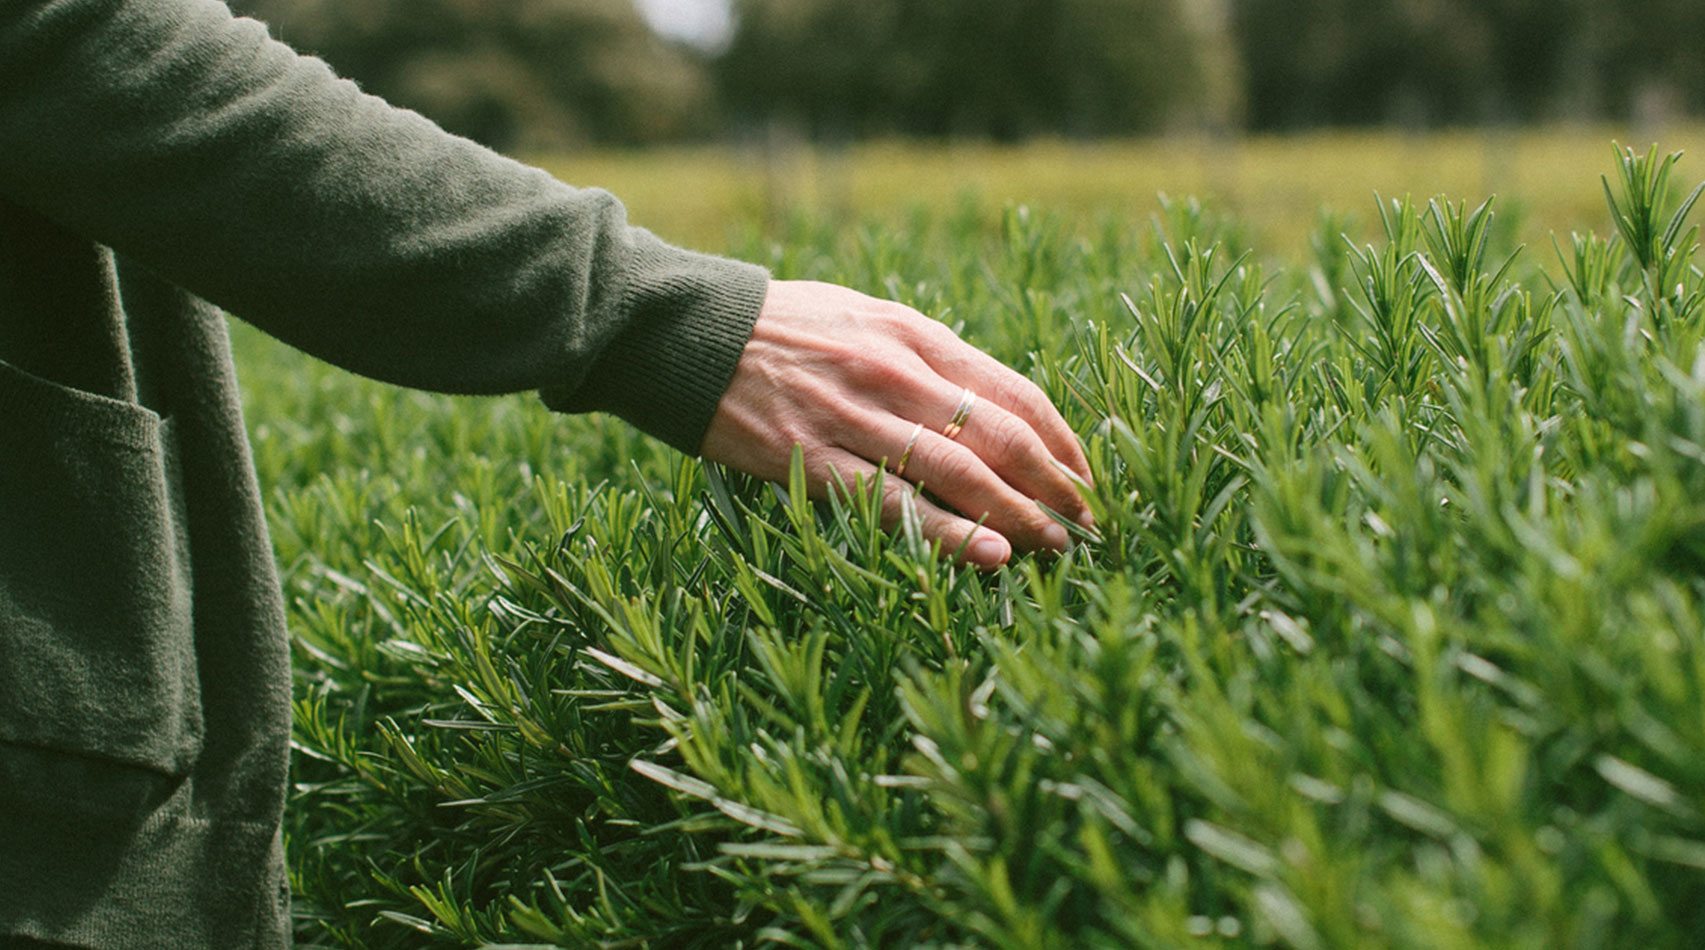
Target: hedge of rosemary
1392 631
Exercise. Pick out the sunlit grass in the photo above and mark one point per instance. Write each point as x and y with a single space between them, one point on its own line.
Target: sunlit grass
1274 185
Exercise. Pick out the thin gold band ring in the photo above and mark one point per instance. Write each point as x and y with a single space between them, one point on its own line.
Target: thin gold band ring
906 453
956 425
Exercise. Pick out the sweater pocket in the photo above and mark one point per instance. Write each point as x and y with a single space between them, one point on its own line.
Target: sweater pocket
100 713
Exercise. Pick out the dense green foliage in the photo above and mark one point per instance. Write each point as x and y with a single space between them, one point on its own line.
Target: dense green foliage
1392 631
1315 62
1001 68
517 74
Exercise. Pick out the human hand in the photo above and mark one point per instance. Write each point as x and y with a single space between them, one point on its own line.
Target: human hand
851 378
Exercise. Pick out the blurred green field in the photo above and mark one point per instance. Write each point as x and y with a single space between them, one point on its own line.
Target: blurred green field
1275 186
1392 635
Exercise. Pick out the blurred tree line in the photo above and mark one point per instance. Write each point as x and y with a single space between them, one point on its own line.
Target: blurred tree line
999 68
1429 62
515 74
541 74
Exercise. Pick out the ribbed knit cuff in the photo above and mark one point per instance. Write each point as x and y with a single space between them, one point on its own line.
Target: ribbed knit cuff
689 316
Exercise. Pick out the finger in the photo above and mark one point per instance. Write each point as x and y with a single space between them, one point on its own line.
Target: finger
1007 443
982 546
965 365
956 475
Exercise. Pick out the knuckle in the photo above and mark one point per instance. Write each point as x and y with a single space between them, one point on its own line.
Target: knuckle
964 480
899 494
854 361
897 318
954 466
1012 441
873 368
939 525
900 314
923 333
932 336
941 335
818 464
1018 390
896 495
891 374
883 316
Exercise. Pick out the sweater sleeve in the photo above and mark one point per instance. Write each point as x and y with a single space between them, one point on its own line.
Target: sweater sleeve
189 141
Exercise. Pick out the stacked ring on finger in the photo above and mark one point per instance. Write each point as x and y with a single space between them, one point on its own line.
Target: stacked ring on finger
956 424
906 453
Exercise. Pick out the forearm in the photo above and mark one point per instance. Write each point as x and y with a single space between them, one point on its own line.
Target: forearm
191 142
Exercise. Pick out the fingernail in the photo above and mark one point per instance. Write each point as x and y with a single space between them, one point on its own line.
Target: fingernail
1055 537
1086 519
990 549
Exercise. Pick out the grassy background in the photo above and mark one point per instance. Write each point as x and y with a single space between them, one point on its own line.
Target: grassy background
1393 635
1275 186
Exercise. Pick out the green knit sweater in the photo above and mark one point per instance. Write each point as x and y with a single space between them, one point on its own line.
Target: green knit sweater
156 154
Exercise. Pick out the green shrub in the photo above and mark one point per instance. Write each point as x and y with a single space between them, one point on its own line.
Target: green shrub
1392 631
